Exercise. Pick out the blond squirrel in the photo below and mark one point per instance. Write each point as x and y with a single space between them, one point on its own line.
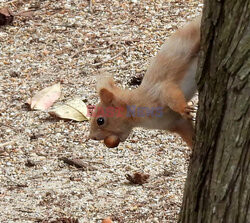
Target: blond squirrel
160 102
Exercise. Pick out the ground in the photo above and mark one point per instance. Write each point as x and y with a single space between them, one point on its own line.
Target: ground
71 42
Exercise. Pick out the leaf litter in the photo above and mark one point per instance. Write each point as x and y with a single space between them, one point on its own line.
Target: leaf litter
45 98
74 41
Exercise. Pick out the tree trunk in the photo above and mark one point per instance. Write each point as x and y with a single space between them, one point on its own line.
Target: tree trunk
218 183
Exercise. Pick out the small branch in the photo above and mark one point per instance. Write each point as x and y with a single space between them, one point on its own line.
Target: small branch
25 211
11 2
77 163
27 13
90 6
107 182
88 49
12 181
101 163
7 143
16 183
106 61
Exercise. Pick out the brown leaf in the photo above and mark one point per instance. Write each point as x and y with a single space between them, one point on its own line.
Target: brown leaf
136 80
30 163
137 178
6 17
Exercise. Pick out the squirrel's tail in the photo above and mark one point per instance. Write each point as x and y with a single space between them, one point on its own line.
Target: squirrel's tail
184 43
175 55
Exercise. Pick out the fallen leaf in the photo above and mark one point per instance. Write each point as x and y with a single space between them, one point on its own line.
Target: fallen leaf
137 178
30 163
167 173
74 109
6 17
45 98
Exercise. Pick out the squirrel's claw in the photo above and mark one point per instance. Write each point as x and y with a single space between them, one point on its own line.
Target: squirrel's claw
186 114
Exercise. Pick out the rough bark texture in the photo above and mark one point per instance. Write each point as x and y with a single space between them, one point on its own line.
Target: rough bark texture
218 183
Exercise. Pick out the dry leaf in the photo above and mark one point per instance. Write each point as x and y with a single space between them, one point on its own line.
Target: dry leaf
6 17
45 98
136 80
74 109
137 178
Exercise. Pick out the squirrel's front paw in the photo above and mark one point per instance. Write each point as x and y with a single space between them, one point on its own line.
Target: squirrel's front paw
187 112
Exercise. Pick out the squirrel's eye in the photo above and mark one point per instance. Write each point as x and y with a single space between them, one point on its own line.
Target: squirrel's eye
100 121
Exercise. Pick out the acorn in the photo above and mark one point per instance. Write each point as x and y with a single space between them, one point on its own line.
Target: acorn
112 141
107 220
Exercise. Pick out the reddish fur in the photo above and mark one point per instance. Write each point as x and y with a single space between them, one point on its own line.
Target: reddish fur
185 129
174 98
164 84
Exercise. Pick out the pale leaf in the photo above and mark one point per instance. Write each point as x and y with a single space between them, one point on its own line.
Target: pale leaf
74 109
45 98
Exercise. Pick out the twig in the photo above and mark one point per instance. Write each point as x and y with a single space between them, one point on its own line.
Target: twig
7 143
25 13
11 2
101 163
14 182
107 182
88 49
25 211
110 59
90 6
77 163
126 50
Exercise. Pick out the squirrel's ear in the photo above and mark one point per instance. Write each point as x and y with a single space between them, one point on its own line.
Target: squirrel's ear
105 87
108 92
106 96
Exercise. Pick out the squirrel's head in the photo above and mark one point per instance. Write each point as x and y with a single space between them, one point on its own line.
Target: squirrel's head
109 118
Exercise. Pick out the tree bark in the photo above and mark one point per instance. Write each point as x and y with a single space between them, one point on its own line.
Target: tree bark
218 183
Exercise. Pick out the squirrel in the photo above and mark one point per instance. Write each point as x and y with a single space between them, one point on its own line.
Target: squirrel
160 102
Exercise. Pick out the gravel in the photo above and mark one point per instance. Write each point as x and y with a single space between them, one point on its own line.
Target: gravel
70 42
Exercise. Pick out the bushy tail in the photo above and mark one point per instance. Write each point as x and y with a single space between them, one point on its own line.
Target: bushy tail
185 42
176 53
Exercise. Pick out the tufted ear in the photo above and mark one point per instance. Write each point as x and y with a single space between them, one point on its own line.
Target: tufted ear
106 96
109 92
105 87
105 81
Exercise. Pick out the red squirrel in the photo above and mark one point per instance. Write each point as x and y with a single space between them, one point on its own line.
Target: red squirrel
160 102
